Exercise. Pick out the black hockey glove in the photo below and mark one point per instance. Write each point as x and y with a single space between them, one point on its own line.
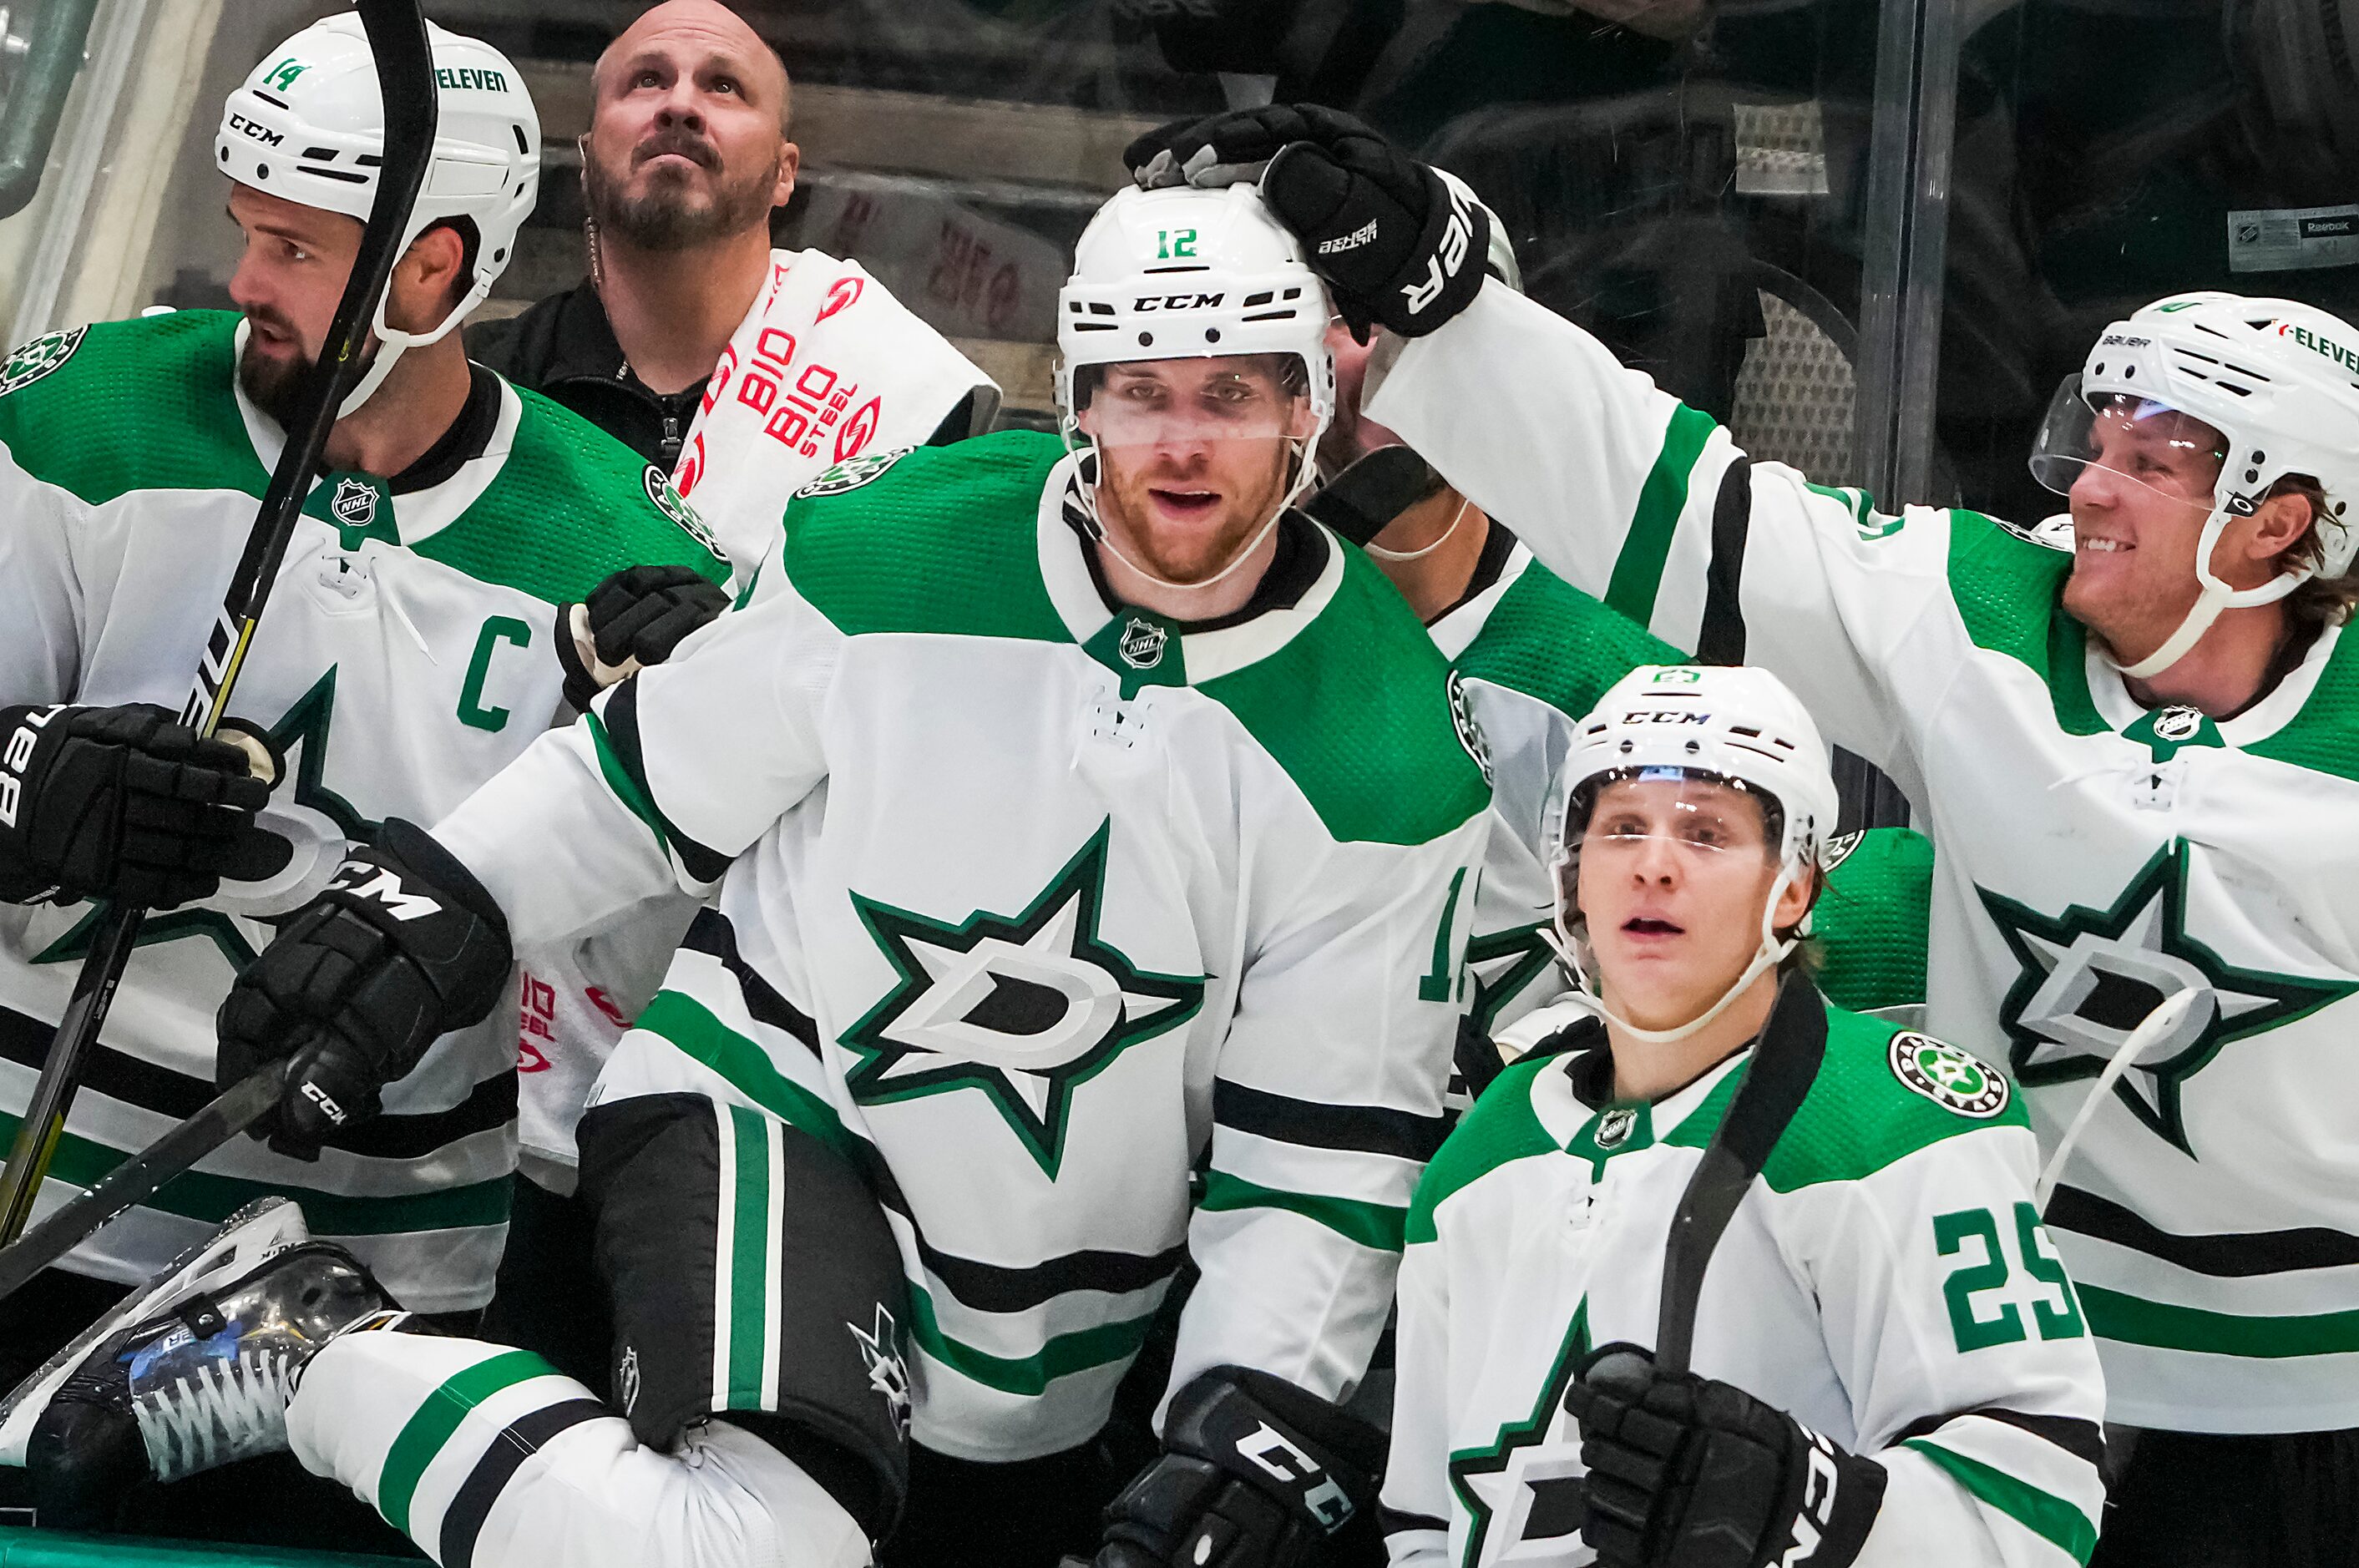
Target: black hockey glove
632 619
1255 1474
1692 1471
1394 242
126 803
403 946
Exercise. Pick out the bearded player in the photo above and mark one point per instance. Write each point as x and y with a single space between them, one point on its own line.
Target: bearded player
1083 818
2134 755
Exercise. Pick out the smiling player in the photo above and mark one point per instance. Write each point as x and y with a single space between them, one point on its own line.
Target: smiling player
1082 819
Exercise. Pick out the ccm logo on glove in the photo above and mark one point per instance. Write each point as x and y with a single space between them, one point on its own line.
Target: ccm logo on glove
363 880
1322 1495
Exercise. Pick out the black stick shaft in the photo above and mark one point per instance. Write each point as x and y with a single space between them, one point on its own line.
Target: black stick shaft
138 1179
405 66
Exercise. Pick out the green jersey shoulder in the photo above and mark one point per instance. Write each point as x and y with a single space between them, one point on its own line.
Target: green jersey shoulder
1551 641
590 502
942 539
1882 1093
115 407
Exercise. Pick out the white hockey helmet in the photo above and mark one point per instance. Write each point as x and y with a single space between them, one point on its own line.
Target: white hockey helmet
308 125
1186 274
1727 724
2278 380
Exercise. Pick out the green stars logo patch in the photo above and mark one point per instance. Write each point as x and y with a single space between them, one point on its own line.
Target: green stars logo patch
2091 976
34 360
852 473
671 504
1953 1079
1469 729
1022 1010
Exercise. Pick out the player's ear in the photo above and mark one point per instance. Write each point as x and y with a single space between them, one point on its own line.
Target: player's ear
1795 899
426 279
2283 521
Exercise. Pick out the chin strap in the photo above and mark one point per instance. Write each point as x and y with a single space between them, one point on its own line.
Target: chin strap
1305 474
391 341
1772 952
1401 555
2216 596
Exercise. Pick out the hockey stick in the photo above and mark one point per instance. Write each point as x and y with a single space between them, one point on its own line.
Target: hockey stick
397 36
2165 1018
138 1179
1785 1064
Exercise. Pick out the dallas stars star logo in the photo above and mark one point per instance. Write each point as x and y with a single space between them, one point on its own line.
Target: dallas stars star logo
2090 976
1525 1487
1023 1008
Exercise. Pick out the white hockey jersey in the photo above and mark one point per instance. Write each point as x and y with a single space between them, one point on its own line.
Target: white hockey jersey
1885 1281
1533 655
2095 857
406 657
1027 905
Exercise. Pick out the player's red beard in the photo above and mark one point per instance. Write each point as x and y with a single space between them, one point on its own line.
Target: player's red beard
274 382
670 213
1194 551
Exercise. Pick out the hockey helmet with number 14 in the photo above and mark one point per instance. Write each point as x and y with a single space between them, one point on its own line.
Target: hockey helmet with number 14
308 125
1735 726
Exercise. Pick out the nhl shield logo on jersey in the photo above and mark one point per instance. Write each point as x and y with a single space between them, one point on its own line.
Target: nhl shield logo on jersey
35 359
852 473
1142 642
1023 1009
1953 1079
354 503
1614 1127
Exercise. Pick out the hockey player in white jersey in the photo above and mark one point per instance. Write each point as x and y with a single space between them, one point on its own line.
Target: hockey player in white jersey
1084 822
411 650
2136 759
1888 1365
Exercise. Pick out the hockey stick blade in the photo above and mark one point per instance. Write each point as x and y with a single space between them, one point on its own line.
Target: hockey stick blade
405 66
139 1178
2165 1019
1792 1044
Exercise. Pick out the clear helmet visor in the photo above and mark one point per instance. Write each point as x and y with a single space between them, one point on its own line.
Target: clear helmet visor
2115 438
1185 404
1637 819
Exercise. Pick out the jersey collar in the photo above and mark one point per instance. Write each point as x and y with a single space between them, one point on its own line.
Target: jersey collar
418 515
1456 629
1205 655
2120 711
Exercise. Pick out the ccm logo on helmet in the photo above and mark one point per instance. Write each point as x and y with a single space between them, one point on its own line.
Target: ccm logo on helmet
1664 716
1177 302
254 131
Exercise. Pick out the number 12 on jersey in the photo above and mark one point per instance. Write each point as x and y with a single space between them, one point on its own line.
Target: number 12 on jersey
2053 1308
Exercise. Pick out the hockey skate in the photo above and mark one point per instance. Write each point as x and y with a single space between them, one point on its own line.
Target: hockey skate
193 1371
